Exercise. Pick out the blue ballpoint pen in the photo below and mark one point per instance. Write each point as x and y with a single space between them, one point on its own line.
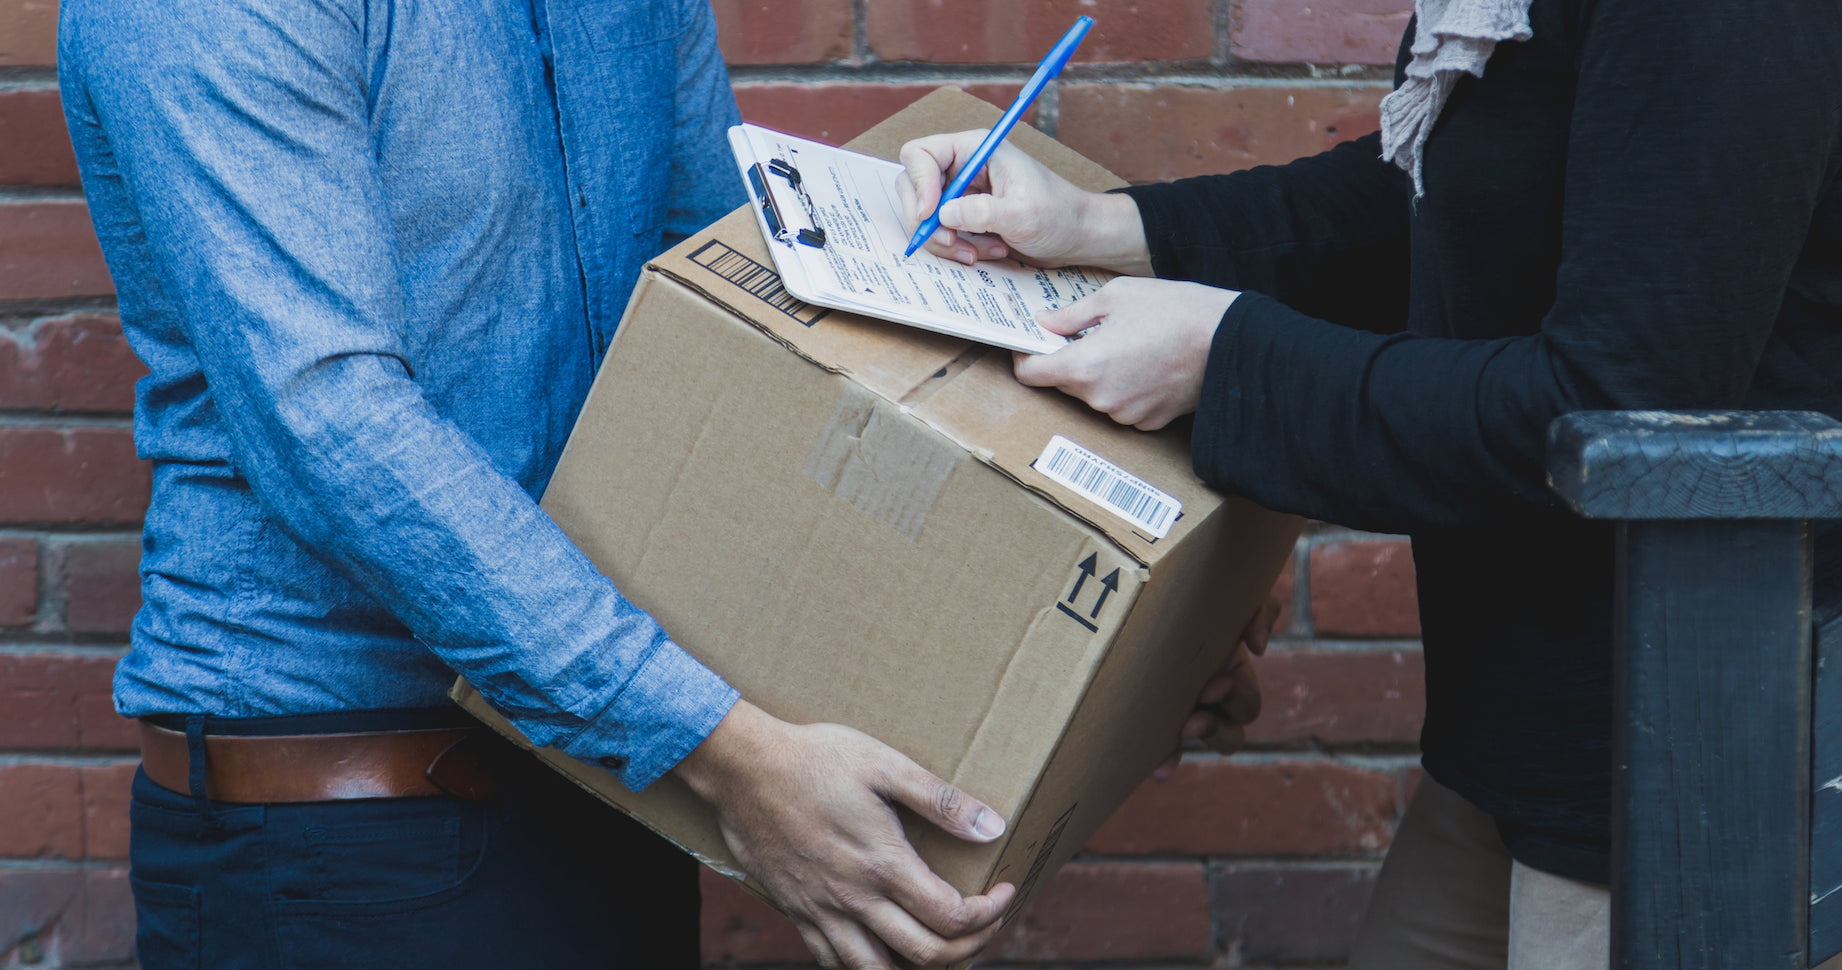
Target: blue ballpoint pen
1051 66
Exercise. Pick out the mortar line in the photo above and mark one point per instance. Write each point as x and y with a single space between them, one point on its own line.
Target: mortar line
860 33
72 651
1297 76
21 194
36 418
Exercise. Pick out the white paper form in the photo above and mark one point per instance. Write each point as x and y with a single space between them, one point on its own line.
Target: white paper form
860 267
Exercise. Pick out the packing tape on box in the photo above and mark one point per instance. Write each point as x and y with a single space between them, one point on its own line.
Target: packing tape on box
882 462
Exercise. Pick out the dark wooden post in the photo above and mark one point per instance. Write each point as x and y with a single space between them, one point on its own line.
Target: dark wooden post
1712 730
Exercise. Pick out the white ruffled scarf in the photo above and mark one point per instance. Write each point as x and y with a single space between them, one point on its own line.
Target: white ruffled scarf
1453 38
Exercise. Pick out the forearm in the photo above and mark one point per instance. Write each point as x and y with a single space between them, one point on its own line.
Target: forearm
359 469
1304 416
1326 234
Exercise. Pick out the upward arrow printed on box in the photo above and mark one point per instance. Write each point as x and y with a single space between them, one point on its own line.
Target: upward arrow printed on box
1107 586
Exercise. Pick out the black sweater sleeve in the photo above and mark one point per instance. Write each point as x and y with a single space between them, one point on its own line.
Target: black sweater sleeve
1700 145
1326 234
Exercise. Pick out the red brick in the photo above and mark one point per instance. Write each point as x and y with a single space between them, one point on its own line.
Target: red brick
1148 133
1221 806
1283 590
1022 31
48 251
34 899
1290 914
72 916
739 928
836 113
87 475
100 728
60 701
37 146
43 808
1364 588
102 585
1321 32
28 33
1340 697
18 581
783 31
79 362
103 930
1410 783
105 809
1114 912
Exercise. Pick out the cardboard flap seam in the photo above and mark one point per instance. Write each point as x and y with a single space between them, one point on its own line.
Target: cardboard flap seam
1046 495
1061 738
991 701
985 457
931 385
1046 615
907 402
666 273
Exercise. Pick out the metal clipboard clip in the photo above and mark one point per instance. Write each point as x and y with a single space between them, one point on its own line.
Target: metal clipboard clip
789 211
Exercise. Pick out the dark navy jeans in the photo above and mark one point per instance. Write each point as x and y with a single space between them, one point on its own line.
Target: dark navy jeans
545 877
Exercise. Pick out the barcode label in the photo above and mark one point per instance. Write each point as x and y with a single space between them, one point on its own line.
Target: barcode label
756 279
1126 495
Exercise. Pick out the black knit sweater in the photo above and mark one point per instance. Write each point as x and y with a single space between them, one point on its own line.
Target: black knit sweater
1638 208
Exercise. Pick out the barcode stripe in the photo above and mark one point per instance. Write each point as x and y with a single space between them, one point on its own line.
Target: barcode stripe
1109 485
757 279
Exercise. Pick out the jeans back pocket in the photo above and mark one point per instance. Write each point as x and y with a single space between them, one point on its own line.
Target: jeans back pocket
166 932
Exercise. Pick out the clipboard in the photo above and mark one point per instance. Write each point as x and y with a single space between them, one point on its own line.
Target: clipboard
833 225
785 208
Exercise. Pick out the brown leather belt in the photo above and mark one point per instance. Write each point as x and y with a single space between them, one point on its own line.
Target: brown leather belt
325 767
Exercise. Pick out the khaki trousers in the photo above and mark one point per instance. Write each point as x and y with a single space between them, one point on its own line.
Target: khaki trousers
1449 896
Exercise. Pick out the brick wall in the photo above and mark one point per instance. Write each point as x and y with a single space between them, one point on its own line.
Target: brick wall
71 498
1263 859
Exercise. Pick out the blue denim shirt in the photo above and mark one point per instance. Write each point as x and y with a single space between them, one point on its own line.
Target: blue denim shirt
371 252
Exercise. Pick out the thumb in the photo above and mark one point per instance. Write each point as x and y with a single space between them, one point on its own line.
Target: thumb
954 811
1075 317
972 213
924 178
1040 370
905 194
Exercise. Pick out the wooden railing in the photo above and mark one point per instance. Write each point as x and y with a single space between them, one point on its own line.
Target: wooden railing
1719 706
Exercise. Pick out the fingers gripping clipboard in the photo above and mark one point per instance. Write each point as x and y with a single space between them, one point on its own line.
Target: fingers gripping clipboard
834 224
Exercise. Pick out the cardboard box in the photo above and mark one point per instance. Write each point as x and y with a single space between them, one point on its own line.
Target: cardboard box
844 518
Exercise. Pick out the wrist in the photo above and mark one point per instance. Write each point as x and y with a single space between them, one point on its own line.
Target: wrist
1116 231
738 740
1203 336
